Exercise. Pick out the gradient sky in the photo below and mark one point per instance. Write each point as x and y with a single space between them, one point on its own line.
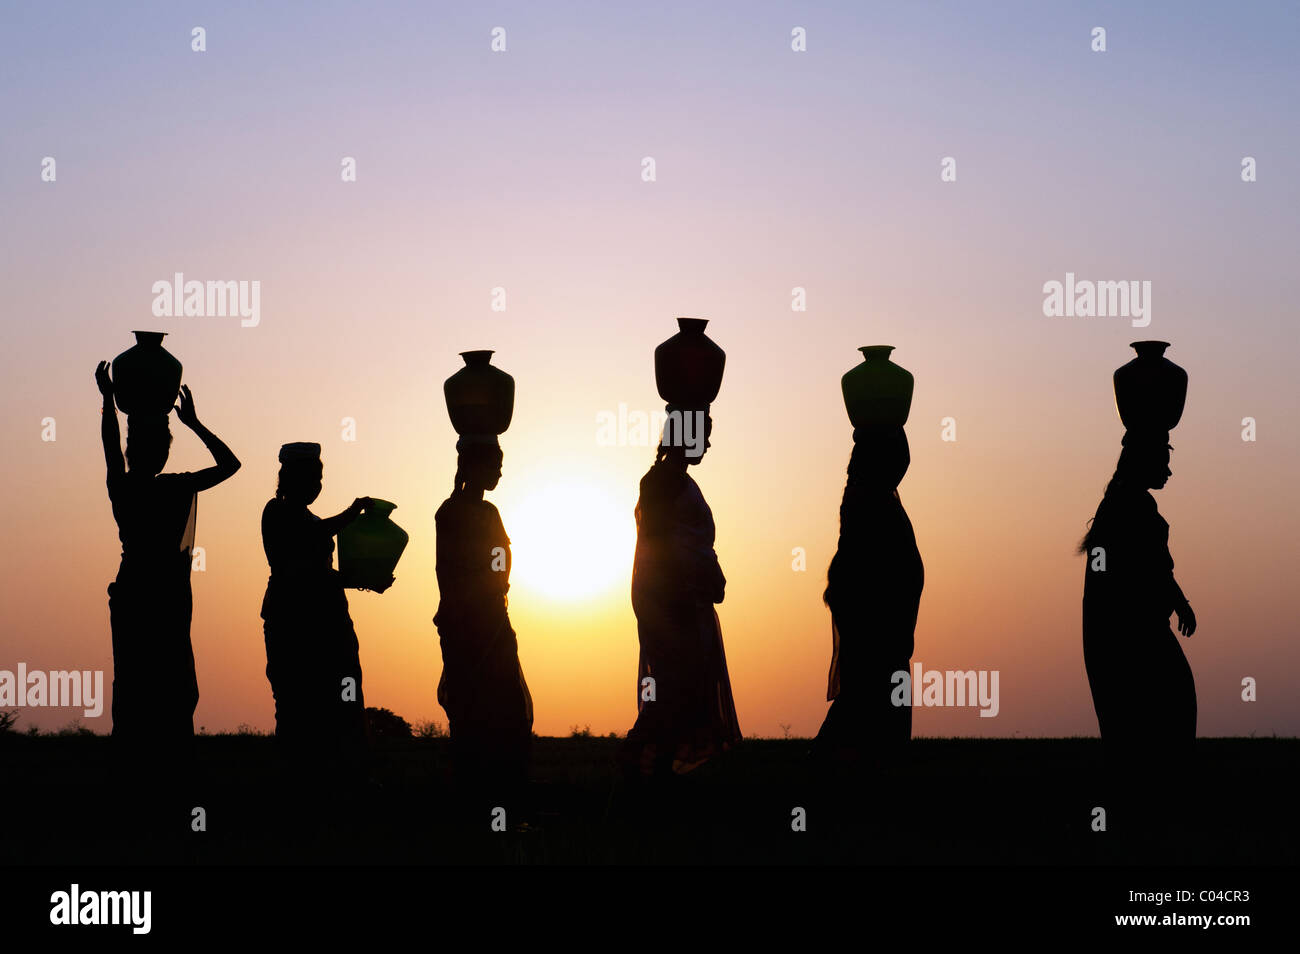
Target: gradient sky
775 169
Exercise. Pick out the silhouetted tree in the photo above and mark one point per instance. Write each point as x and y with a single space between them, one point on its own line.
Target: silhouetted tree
384 724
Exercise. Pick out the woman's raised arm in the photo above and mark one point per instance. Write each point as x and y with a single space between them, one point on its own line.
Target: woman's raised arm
108 429
226 461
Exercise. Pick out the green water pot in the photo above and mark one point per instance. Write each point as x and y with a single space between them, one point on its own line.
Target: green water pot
877 392
370 546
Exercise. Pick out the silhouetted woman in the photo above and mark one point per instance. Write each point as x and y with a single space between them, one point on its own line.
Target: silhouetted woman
489 708
312 656
676 580
1142 686
155 688
873 590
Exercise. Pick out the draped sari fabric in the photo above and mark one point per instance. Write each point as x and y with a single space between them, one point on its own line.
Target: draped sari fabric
155 686
874 592
311 645
483 690
1142 686
676 580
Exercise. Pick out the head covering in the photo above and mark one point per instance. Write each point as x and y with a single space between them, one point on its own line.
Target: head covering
299 451
686 408
1151 436
477 442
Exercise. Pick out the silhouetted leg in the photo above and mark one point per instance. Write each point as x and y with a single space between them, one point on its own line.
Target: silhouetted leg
673 715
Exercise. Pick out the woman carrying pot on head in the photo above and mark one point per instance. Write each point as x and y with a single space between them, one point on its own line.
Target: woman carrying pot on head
685 712
155 687
489 708
1142 686
874 583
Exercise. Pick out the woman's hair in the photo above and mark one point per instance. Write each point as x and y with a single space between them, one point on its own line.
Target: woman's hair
1138 457
665 451
297 477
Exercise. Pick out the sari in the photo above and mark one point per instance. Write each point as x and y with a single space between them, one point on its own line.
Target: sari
311 644
873 591
150 604
686 714
482 687
1142 686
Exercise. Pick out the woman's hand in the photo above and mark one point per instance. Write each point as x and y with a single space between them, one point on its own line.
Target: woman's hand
103 380
185 410
1186 619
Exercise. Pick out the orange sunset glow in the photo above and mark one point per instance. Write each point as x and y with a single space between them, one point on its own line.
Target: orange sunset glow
501 204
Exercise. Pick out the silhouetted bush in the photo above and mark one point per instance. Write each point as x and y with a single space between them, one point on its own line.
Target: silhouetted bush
74 728
429 729
386 725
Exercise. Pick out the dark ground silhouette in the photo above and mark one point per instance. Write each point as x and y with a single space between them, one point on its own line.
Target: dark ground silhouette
962 801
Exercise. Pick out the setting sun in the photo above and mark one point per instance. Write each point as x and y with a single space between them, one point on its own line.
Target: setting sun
570 540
